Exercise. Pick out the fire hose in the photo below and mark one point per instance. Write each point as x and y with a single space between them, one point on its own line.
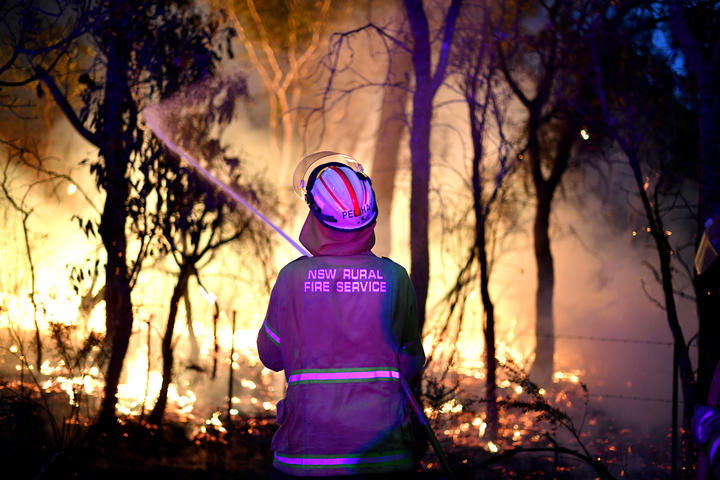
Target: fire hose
417 409
152 120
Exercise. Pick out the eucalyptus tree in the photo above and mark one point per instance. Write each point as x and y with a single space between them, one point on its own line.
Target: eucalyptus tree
131 53
542 56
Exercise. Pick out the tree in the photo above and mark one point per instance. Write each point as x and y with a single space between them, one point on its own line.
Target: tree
143 50
652 135
541 55
196 219
477 70
25 31
280 38
427 83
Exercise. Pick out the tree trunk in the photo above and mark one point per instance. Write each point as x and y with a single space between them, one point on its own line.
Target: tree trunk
489 332
419 202
216 345
426 85
420 154
231 370
180 289
387 145
194 347
480 209
488 306
681 356
118 304
543 365
664 256
545 187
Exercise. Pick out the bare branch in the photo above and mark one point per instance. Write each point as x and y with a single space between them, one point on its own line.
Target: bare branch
66 108
509 78
448 31
55 175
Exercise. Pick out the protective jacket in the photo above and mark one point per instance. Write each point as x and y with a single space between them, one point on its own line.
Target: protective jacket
343 325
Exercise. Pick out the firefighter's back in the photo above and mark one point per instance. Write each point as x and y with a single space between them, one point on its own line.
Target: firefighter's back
344 410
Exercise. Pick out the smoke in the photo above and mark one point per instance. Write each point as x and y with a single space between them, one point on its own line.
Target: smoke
157 122
607 328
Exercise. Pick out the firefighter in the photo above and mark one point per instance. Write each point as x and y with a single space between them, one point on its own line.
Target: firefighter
343 326
706 430
706 420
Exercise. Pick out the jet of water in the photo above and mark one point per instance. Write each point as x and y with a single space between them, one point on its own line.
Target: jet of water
153 119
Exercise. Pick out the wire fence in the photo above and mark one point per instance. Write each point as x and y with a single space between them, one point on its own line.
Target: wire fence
616 396
591 338
632 341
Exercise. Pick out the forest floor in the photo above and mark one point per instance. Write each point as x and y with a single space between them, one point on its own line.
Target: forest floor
30 447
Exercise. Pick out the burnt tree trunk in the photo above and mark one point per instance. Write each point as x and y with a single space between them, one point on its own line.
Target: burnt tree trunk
419 202
194 346
702 55
664 251
118 303
489 333
481 206
544 318
180 289
681 356
547 113
682 365
427 83
545 187
216 345
480 245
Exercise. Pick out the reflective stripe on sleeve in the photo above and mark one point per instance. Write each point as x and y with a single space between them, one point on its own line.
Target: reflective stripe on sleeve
270 333
343 461
343 375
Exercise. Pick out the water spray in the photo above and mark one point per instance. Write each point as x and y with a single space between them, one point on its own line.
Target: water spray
152 120
151 115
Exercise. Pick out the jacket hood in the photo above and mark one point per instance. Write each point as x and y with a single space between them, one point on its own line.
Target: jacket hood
321 240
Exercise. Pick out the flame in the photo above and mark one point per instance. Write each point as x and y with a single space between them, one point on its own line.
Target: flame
248 384
451 406
572 376
194 398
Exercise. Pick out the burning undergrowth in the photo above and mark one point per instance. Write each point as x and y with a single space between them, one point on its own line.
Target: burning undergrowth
220 422
545 432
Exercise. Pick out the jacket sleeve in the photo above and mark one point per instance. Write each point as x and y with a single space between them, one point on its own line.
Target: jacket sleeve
269 340
411 354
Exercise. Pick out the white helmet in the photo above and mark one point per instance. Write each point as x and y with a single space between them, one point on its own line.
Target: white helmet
337 190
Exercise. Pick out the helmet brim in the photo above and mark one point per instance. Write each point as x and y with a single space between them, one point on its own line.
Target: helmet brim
307 165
